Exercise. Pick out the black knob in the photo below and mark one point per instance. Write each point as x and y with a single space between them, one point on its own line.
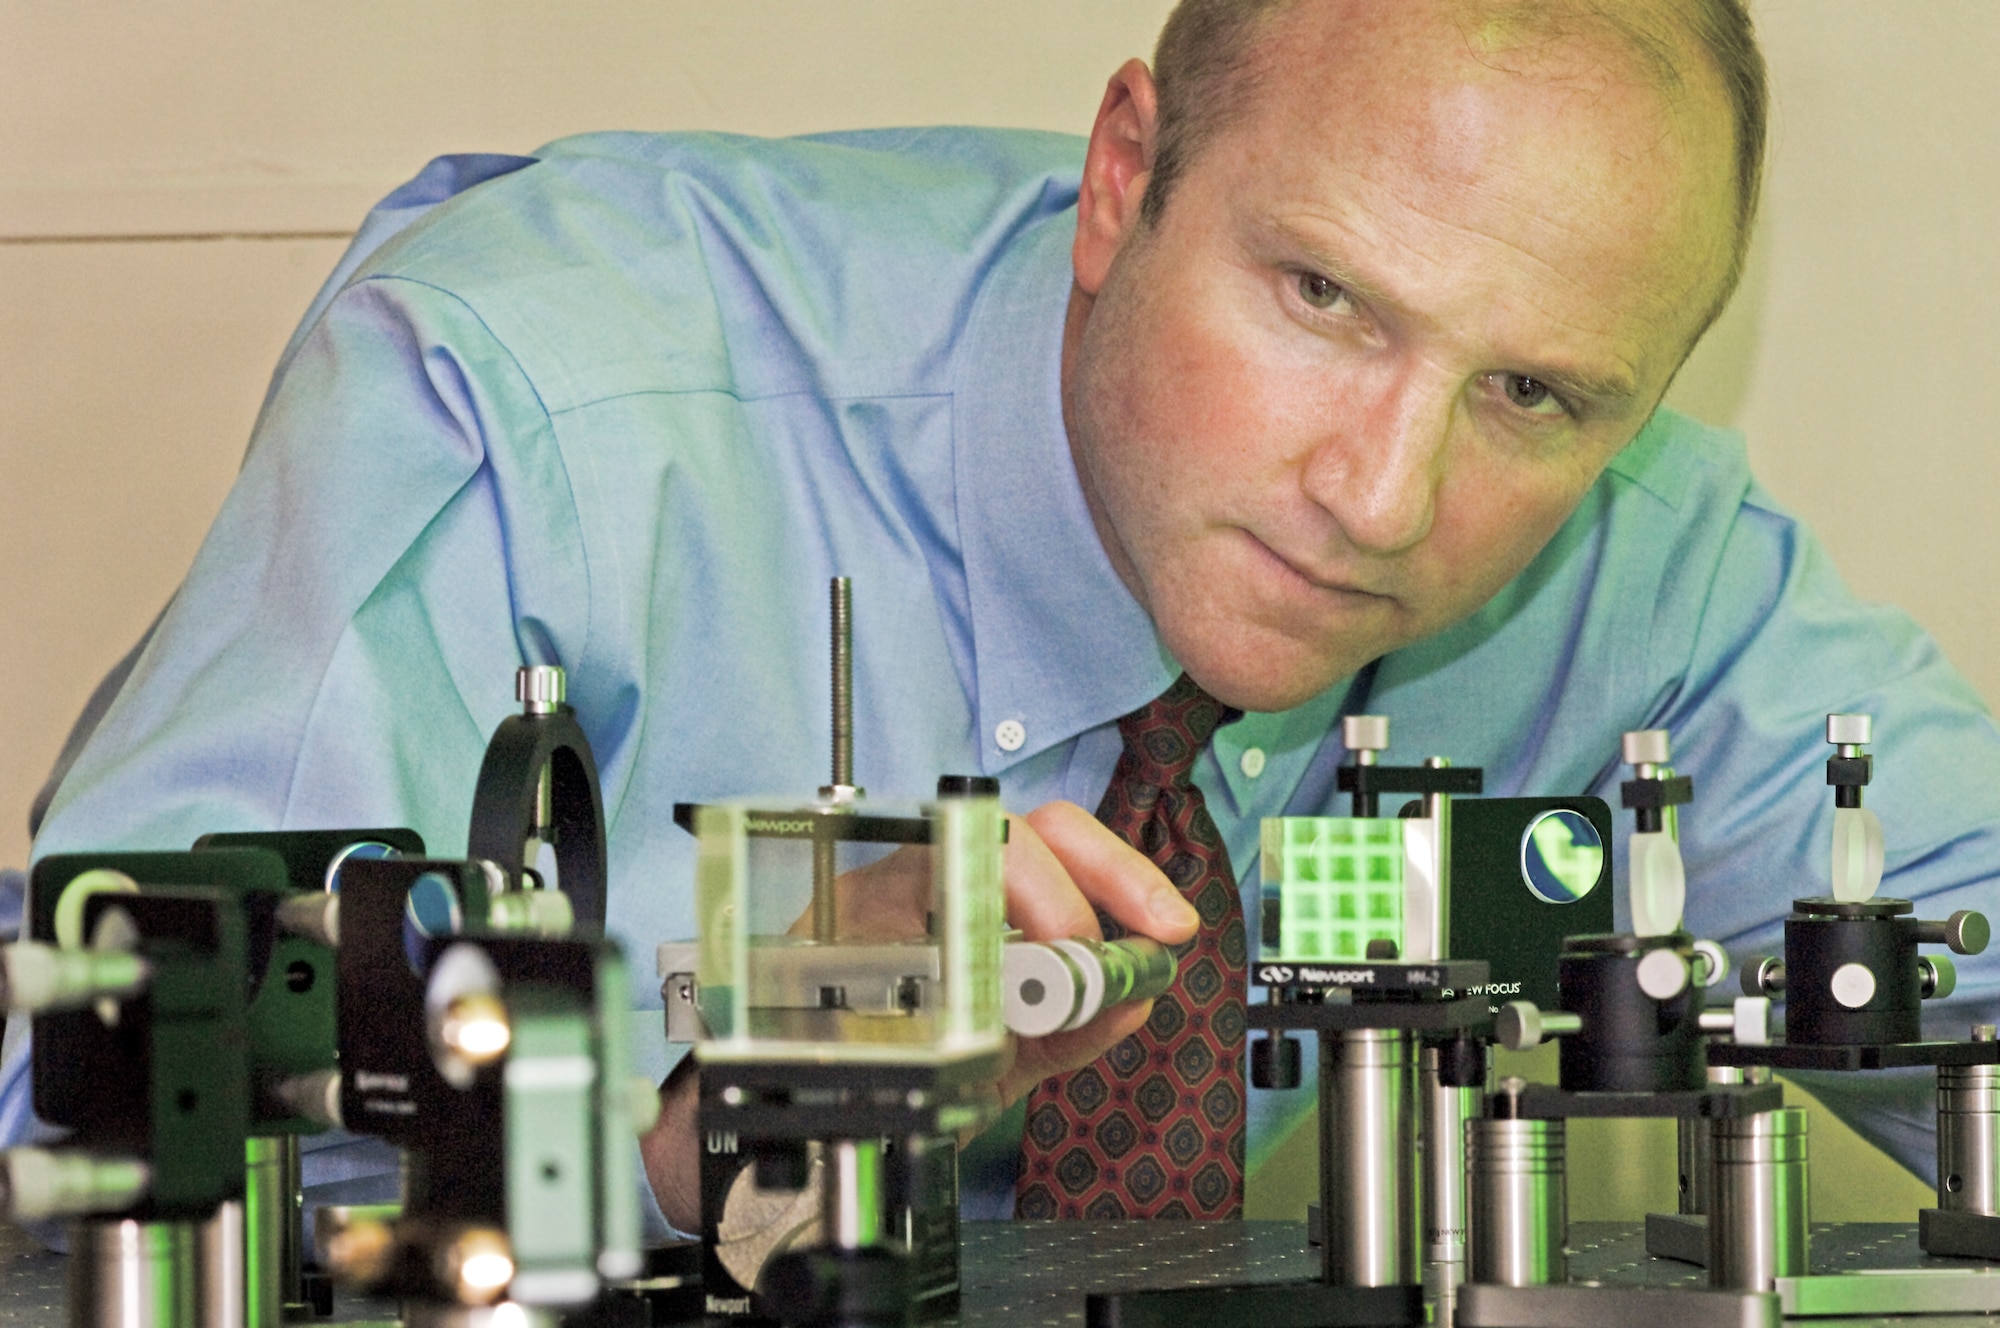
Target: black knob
1274 1062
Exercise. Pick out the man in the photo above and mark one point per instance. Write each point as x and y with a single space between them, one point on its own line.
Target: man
1330 380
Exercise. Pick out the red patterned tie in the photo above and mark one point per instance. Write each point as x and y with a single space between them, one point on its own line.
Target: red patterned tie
1154 1128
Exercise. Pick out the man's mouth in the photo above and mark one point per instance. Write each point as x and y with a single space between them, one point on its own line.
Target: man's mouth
1328 582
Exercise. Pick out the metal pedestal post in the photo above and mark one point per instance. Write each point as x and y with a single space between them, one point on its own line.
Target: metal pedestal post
1367 1122
1683 1235
125 1274
221 1248
1757 1224
1966 1221
267 1217
1446 1109
1520 1204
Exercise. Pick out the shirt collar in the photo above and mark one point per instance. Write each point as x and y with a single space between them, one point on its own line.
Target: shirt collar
1059 645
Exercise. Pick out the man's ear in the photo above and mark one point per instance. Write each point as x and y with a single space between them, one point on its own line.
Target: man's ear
1115 171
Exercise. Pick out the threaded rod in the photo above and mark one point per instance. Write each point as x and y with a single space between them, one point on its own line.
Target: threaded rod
843 682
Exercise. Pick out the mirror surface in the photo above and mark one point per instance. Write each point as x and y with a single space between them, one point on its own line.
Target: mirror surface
1562 856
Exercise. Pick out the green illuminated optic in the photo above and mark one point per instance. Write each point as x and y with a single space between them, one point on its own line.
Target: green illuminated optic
1339 883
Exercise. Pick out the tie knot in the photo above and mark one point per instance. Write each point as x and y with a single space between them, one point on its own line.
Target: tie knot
1165 736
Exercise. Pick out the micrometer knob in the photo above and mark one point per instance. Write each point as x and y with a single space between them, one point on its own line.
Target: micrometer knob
1964 932
1522 1024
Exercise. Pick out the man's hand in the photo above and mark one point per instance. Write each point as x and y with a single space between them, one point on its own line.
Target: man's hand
1062 867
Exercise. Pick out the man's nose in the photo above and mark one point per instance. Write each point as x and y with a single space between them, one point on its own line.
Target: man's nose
1378 467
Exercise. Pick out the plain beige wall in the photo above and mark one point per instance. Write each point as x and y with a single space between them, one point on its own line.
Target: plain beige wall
176 177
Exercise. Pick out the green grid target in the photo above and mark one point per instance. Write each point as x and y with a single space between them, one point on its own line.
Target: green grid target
1338 883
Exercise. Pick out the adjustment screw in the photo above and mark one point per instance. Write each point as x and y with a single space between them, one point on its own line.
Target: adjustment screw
1365 733
1967 932
1647 747
540 688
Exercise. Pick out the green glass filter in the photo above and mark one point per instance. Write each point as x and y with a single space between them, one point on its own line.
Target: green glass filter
1338 881
969 898
721 890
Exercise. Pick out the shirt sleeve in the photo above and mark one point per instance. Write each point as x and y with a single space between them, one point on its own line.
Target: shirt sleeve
401 537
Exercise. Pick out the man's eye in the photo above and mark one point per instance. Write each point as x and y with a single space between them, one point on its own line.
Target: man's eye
1320 292
1530 394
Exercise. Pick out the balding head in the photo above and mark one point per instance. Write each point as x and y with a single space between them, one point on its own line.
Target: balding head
1338 365
1212 59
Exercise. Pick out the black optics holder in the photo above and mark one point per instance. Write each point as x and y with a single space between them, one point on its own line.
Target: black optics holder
1368 782
1849 775
1629 1042
292 1004
167 1082
508 809
1650 798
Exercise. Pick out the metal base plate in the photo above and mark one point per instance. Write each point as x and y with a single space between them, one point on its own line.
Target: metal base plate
1870 1056
1036 1274
1613 1307
1958 1235
1901 1291
1259 1305
1727 1102
1681 1236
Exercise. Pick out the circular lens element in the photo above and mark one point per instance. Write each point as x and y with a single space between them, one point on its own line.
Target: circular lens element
431 909
1562 856
365 850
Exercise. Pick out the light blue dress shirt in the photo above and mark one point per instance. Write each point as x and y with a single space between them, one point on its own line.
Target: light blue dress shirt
626 405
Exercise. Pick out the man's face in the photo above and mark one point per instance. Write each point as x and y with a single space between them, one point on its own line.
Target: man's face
1392 324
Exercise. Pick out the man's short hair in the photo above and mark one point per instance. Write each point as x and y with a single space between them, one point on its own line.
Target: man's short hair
1205 74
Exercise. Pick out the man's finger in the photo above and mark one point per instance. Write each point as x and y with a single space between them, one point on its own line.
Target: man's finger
1112 875
1042 900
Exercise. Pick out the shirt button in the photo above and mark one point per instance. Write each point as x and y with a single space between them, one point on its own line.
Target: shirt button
1251 762
1011 735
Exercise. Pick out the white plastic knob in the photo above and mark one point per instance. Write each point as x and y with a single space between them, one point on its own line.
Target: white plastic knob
1518 1026
1857 855
1850 730
1658 883
1038 988
1663 974
1853 985
1753 1021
